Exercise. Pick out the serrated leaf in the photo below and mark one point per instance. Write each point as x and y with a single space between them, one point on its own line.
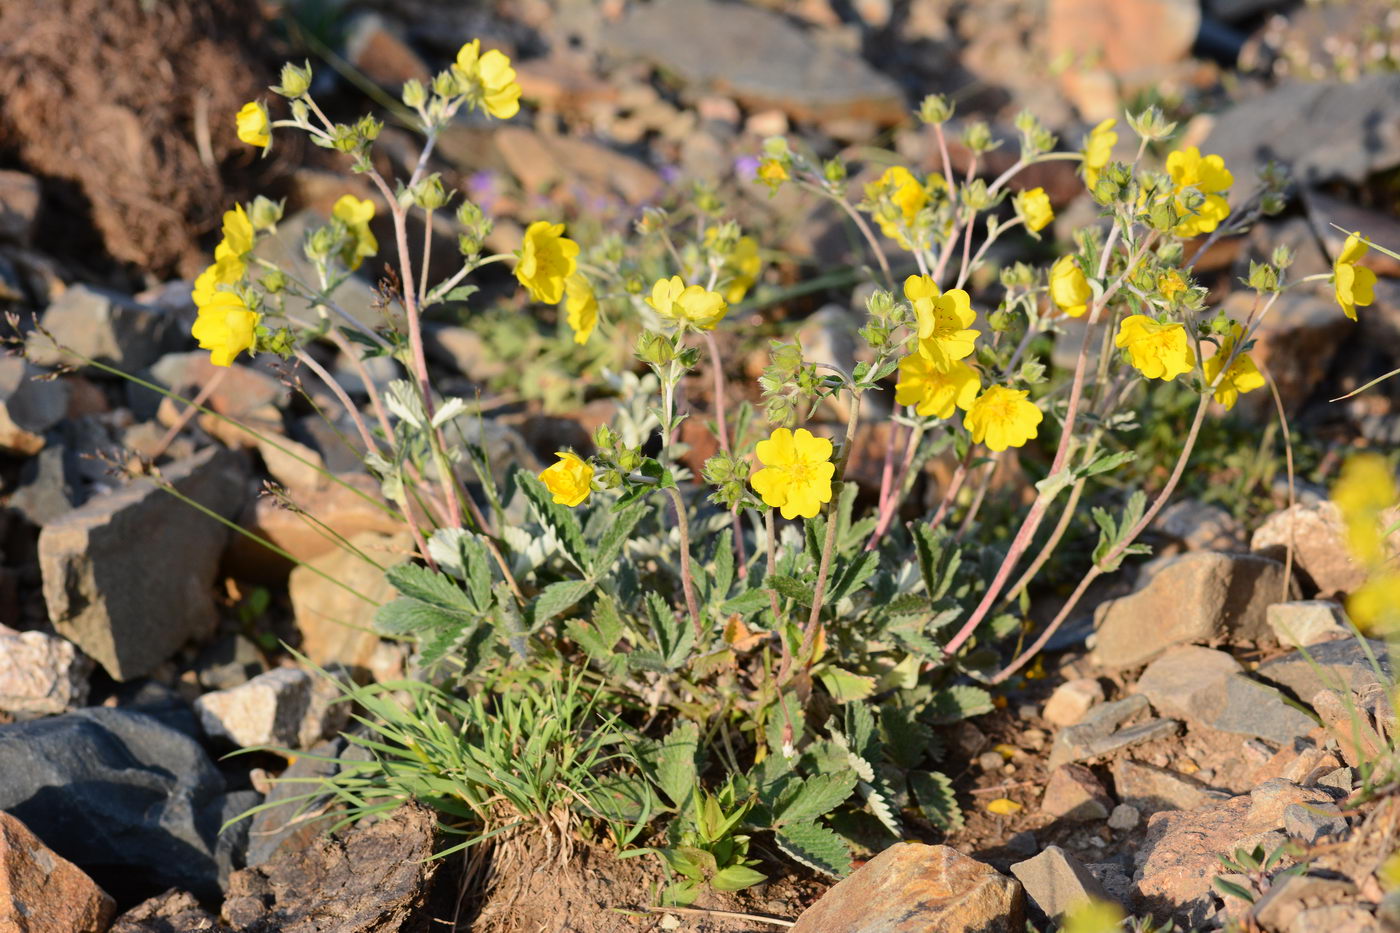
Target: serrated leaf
674 636
937 803
746 603
615 538
816 796
815 846
556 598
877 798
675 765
723 573
404 616
845 686
853 576
791 588
557 518
906 740
429 586
954 704
1107 462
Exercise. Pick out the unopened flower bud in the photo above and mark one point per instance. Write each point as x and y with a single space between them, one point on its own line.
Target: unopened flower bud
429 194
834 171
1263 277
415 95
1151 124
295 81
274 281
264 213
978 137
1282 257
654 349
936 109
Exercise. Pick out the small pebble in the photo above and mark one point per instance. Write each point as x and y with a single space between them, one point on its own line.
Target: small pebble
1124 817
1033 738
990 761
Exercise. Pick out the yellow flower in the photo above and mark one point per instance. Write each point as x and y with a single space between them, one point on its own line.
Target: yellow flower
1158 351
943 319
933 391
1375 606
1365 489
1093 916
1069 289
570 479
490 80
1098 149
1171 283
226 270
254 127
1004 806
1208 175
907 196
225 327
547 258
772 173
1002 418
238 233
1242 376
1353 285
580 307
699 307
356 215
1033 207
796 474
743 266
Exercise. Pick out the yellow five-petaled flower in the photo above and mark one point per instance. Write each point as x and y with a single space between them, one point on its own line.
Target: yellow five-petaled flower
1158 351
934 391
1354 286
907 195
1069 289
1242 376
1002 417
547 259
1207 174
796 474
489 79
943 320
225 326
356 215
1033 207
254 127
569 480
687 304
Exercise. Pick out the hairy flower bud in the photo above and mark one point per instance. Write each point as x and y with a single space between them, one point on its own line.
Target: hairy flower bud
936 109
415 95
264 213
295 81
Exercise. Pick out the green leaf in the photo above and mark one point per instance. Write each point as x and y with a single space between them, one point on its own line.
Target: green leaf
880 801
845 686
906 740
723 573
746 603
1232 889
405 616
736 878
816 796
815 846
1107 462
938 560
791 588
937 803
853 577
675 766
953 704
557 518
556 598
461 293
674 636
615 538
429 586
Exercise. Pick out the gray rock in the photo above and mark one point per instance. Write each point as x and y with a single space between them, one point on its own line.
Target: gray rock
1200 526
758 57
1095 735
1187 681
1249 707
336 615
1055 881
355 296
171 912
49 486
1198 597
1345 663
229 662
1322 131
267 710
1115 879
1124 817
129 576
1341 779
28 407
1312 824
1283 905
40 674
135 804
19 206
104 327
287 817
1307 622
463 350
1149 789
327 713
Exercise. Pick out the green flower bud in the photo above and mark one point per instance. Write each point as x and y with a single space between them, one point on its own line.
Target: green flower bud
264 213
300 112
834 171
445 84
1151 124
936 109
1263 277
323 242
415 95
429 194
978 137
630 459
1017 275
654 349
295 81
1272 203
1282 257
274 281
604 438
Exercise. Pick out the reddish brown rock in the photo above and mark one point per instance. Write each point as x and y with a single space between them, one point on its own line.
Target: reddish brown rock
41 892
335 608
1074 794
913 887
1318 538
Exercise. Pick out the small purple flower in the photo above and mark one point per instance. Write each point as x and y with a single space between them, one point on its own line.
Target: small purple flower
670 174
483 189
746 167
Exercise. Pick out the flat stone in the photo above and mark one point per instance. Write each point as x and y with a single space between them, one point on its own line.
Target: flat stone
1249 707
1322 131
1350 724
228 662
28 407
1269 803
134 803
267 710
104 327
758 57
1341 779
1071 700
1307 622
1345 663
49 486
40 674
1073 793
1095 735
1318 538
1056 882
41 891
99 578
246 389
1287 898
1187 681
1198 597
20 197
1312 824
336 619
1200 526
1150 789
916 888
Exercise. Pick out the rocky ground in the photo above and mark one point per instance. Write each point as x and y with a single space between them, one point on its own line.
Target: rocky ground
142 639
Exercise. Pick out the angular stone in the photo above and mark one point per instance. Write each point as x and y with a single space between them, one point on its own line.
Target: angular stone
129 576
1345 663
1073 793
171 912
1318 538
1312 824
1269 803
1095 735
1056 882
49 487
1287 898
1307 622
28 407
245 389
19 206
916 888
1249 707
229 662
757 57
1198 597
336 615
104 327
1348 722
284 821
40 891
135 804
1071 700
41 674
267 710
1151 790
1187 681
1200 526
355 296
1131 36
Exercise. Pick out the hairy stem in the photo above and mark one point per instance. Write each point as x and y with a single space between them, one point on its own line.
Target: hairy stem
683 526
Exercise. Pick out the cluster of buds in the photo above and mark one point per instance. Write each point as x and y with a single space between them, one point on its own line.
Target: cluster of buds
618 461
730 477
790 385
